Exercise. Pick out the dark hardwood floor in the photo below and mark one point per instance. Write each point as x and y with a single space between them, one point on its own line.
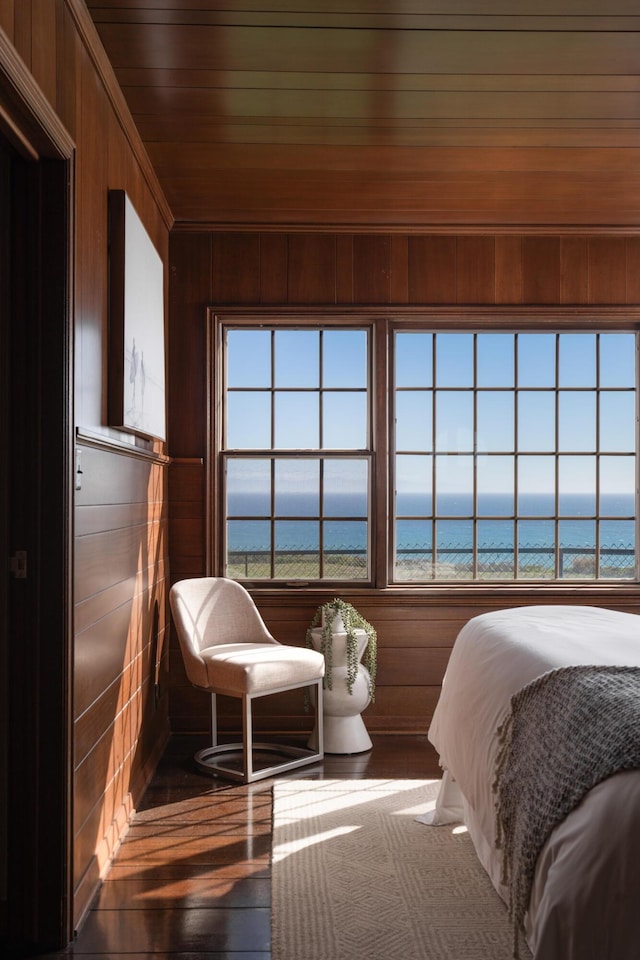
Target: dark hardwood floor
192 877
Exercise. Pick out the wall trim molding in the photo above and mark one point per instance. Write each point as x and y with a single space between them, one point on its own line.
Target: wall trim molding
616 595
26 116
503 314
422 229
100 441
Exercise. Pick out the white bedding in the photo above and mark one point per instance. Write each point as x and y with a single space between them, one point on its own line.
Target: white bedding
585 902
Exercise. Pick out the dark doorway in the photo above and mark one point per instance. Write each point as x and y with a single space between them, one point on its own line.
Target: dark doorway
35 534
5 295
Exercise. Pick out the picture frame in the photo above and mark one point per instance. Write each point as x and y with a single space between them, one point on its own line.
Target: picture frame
136 367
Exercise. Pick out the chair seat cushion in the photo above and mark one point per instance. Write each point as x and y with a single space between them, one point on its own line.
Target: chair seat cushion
259 667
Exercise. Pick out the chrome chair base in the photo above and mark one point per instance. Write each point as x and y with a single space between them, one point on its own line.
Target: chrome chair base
212 760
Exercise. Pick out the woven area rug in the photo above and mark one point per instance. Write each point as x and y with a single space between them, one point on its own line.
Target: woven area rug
355 877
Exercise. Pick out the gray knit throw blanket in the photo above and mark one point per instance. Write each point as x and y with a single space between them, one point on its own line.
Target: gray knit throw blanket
566 731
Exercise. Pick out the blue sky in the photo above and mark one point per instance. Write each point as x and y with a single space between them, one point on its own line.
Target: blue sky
294 367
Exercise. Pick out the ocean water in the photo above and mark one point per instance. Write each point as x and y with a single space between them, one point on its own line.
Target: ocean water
345 526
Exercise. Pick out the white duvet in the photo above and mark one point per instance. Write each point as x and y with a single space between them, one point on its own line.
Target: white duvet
585 902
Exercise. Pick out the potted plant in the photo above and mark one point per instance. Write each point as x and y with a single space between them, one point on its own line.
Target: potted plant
339 617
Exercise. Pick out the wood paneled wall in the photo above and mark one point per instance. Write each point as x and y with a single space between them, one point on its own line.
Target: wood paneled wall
120 659
416 627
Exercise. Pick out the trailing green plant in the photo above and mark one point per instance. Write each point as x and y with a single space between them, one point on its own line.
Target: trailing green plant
352 620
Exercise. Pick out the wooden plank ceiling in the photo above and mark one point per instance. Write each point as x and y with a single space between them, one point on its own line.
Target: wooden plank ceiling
462 115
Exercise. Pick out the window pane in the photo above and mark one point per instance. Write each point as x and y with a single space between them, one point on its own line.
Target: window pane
297 544
248 421
536 359
248 358
345 550
554 436
414 550
345 488
454 421
413 486
454 549
617 486
495 421
345 535
248 486
454 486
297 358
617 548
617 360
536 420
577 421
276 525
577 486
297 488
577 549
454 360
495 359
495 482
617 421
577 360
344 358
536 549
344 424
248 549
414 359
536 486
298 515
297 424
496 550
413 420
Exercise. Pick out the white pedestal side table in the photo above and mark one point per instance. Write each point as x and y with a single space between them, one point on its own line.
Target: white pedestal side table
343 727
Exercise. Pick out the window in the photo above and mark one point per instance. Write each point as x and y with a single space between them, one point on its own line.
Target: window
297 453
512 454
515 456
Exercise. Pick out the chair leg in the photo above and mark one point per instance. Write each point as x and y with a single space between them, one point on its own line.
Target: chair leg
319 727
214 721
212 759
247 739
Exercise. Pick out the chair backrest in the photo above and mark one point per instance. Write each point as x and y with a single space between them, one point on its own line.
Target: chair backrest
208 611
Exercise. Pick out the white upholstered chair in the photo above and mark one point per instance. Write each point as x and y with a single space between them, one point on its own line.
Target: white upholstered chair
228 650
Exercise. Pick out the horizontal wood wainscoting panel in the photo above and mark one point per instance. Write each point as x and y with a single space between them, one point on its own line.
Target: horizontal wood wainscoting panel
121 648
415 637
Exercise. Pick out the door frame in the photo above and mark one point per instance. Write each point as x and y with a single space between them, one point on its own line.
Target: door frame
40 755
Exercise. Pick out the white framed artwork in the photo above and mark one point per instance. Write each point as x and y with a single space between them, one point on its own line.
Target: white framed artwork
136 324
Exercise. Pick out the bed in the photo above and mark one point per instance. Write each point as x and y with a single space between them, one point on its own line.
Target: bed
584 899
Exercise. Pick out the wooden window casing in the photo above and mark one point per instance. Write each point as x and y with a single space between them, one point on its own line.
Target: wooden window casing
384 323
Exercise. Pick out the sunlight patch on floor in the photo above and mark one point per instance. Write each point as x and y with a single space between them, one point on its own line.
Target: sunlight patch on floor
282 851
